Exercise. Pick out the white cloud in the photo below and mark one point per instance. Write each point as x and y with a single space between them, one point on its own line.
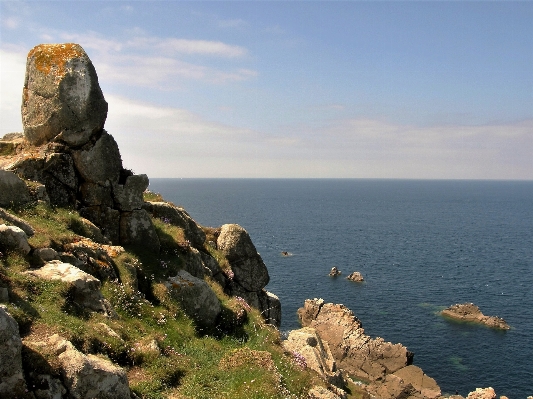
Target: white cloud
12 70
11 23
204 47
154 62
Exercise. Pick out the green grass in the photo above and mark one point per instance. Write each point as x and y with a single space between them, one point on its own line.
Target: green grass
228 362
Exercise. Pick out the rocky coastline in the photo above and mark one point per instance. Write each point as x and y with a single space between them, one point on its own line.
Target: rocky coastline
65 159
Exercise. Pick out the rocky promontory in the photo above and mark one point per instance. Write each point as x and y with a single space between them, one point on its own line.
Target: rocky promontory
470 312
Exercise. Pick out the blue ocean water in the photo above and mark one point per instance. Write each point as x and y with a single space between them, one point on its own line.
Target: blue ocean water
421 246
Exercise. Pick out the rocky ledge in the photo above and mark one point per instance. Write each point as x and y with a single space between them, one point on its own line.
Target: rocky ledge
470 312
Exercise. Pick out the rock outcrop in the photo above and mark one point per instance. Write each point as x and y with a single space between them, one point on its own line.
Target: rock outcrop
12 381
196 297
354 351
307 343
249 274
334 272
13 190
13 238
85 288
470 312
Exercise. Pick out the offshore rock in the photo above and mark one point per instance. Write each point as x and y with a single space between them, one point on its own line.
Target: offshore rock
13 190
197 298
61 99
470 312
249 270
354 351
11 378
355 276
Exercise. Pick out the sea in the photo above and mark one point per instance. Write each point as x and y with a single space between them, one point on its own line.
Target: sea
421 245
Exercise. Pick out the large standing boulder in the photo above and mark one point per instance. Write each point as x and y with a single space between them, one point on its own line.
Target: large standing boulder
249 270
11 378
196 297
62 99
100 163
13 190
354 351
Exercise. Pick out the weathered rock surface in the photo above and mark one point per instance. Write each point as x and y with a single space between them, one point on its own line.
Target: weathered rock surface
16 221
414 375
393 387
129 196
62 99
86 288
89 376
197 298
178 217
107 219
249 270
316 352
266 302
136 228
13 190
13 238
355 276
353 350
470 312
334 272
482 393
11 377
319 392
93 258
100 163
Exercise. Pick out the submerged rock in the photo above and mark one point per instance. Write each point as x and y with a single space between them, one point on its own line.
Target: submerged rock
470 312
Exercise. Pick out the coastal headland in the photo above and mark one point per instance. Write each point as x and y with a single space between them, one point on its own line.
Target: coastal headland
109 291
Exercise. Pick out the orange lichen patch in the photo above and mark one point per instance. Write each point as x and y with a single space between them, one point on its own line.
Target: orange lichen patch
53 57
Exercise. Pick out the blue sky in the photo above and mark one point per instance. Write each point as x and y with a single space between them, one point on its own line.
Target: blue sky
397 89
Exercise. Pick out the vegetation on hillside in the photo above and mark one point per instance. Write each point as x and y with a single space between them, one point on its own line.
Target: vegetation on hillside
163 351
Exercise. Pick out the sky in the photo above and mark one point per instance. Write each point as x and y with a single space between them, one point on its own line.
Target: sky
297 89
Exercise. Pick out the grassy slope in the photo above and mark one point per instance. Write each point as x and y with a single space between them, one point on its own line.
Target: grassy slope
228 362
